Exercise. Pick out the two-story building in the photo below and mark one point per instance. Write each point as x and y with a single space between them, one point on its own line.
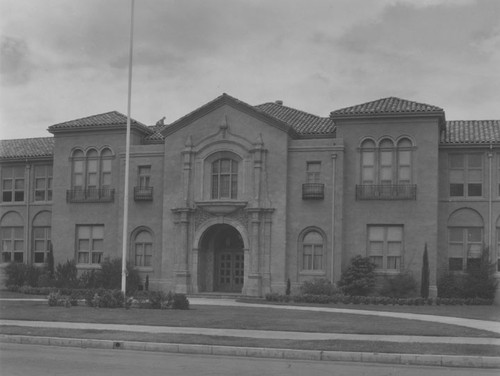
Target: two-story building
240 198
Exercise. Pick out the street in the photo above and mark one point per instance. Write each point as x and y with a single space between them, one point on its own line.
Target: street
26 360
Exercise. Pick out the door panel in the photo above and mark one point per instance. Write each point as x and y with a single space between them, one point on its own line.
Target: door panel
229 272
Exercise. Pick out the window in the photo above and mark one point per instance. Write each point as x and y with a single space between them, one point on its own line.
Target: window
224 179
387 164
13 184
385 246
143 248
368 162
92 170
466 175
90 244
313 172
12 241
312 251
144 176
464 247
43 183
41 244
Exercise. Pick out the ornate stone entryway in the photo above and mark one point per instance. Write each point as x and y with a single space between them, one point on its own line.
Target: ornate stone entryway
221 260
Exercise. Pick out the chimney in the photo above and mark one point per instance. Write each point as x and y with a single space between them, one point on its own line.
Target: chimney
279 102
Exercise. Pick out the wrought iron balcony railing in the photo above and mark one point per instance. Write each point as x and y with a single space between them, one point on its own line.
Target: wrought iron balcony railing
77 195
143 193
313 191
386 192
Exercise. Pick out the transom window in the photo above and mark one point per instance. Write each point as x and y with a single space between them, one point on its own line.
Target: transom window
386 163
90 244
466 175
312 251
12 242
464 247
385 246
43 183
143 248
13 183
224 179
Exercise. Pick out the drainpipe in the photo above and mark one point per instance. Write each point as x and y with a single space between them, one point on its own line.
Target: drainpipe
27 193
334 168
490 188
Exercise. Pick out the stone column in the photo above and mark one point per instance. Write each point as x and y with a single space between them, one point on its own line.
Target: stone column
253 279
182 275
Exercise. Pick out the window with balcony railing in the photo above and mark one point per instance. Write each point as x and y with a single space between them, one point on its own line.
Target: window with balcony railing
313 189
386 170
143 193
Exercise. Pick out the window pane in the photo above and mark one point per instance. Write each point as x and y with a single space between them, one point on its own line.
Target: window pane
474 235
307 261
376 248
7 184
83 232
83 257
376 233
84 244
475 190
455 250
313 237
78 166
404 174
394 233
97 232
393 262
19 184
40 183
18 232
456 176
98 245
39 257
456 190
106 165
474 160
378 261
225 165
368 175
92 165
368 158
455 263
456 235
456 160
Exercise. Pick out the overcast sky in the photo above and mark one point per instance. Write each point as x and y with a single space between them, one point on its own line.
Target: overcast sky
63 60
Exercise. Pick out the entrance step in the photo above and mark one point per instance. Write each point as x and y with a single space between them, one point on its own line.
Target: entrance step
216 295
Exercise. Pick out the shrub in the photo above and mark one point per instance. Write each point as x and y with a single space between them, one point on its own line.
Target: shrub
102 298
450 285
318 286
288 287
66 275
53 299
400 286
480 281
359 277
180 301
110 277
19 274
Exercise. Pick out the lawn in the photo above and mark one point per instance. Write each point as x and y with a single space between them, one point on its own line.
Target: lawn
206 316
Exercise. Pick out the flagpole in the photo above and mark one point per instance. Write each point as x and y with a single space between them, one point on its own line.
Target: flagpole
127 156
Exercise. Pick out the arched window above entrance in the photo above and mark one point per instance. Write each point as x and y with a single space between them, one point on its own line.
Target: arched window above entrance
224 179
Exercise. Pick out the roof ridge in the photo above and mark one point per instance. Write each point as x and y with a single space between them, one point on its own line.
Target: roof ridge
292 108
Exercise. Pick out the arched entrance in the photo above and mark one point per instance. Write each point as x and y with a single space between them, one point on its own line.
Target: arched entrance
221 260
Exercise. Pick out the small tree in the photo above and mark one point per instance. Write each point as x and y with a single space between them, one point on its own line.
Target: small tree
50 262
146 283
288 287
479 280
359 277
424 282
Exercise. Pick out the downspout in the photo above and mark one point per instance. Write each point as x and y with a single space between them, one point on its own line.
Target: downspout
334 169
27 185
490 188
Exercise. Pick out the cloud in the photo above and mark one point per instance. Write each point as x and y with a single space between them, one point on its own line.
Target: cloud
15 65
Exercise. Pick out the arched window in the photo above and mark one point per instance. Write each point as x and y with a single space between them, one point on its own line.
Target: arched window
386 161
91 176
404 161
143 248
311 247
465 239
224 179
368 162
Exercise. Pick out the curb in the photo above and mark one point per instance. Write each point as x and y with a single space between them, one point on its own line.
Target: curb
260 352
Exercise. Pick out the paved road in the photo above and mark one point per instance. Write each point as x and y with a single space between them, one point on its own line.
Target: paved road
31 360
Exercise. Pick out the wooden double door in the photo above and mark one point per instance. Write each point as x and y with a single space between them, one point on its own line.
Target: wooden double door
229 270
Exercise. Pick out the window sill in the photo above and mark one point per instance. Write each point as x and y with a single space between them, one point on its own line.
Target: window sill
387 272
88 266
144 269
312 272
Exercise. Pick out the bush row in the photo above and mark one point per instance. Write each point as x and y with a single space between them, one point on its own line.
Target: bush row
376 300
103 298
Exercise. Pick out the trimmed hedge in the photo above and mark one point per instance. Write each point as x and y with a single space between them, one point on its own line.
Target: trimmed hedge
375 300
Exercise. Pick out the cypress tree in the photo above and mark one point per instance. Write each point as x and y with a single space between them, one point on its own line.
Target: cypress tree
424 283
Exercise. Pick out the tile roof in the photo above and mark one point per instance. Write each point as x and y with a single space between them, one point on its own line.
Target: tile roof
108 119
27 148
303 122
471 132
390 105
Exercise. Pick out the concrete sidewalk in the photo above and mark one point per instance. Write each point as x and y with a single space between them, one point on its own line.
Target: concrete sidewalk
246 333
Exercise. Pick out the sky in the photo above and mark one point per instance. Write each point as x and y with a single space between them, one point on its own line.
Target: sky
63 60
